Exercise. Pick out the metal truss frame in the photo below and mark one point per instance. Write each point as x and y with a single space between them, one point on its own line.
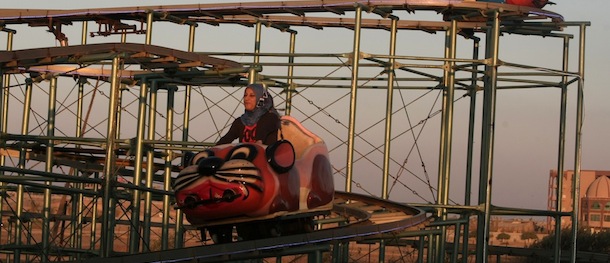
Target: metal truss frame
125 155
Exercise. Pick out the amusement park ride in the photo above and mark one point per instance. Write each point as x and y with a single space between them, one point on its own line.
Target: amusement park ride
99 179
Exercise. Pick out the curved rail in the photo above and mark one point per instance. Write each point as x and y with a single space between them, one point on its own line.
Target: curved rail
353 217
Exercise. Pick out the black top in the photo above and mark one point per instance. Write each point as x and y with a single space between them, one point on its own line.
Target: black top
264 130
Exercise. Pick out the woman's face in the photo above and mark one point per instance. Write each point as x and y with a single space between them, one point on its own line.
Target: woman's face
249 99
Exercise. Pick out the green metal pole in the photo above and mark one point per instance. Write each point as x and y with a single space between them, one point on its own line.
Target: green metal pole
252 74
167 175
93 240
487 141
470 148
46 209
446 134
291 86
179 241
78 204
353 98
22 160
134 244
561 150
388 122
109 201
149 22
578 146
4 92
150 169
388 111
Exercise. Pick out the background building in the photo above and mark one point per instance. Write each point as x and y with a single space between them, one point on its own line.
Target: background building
594 198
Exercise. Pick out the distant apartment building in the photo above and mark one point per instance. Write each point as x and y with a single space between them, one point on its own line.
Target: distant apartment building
593 199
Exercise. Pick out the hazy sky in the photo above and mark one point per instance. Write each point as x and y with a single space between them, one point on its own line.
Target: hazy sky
521 188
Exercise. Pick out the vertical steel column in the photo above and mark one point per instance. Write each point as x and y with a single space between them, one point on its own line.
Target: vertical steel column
4 92
84 33
420 251
447 118
27 102
78 204
149 21
561 151
577 145
252 74
352 106
187 94
470 147
487 138
46 209
169 154
119 102
388 121
179 240
150 163
6 82
123 37
109 201
2 157
446 135
94 216
389 105
134 237
291 86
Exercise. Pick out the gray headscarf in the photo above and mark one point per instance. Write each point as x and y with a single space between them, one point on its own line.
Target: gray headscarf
264 104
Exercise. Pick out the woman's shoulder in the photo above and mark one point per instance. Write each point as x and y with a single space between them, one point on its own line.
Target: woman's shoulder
269 118
237 122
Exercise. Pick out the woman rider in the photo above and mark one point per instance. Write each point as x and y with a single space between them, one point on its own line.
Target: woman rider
259 122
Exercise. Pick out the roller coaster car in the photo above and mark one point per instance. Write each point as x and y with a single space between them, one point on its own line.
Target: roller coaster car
263 191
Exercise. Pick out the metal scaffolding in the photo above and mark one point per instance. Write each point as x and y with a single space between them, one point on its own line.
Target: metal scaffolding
86 171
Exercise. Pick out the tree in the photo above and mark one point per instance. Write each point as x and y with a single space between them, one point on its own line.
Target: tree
598 242
503 237
527 236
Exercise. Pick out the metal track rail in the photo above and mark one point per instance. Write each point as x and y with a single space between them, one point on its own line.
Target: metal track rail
353 218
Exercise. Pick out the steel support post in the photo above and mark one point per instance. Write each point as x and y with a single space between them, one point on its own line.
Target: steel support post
390 70
179 241
150 168
291 86
109 200
446 134
167 175
77 215
78 203
149 22
353 98
46 208
577 144
2 158
27 102
561 148
94 218
135 232
470 147
391 67
487 136
4 91
252 73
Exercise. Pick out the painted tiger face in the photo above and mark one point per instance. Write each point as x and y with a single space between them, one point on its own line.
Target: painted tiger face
233 180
